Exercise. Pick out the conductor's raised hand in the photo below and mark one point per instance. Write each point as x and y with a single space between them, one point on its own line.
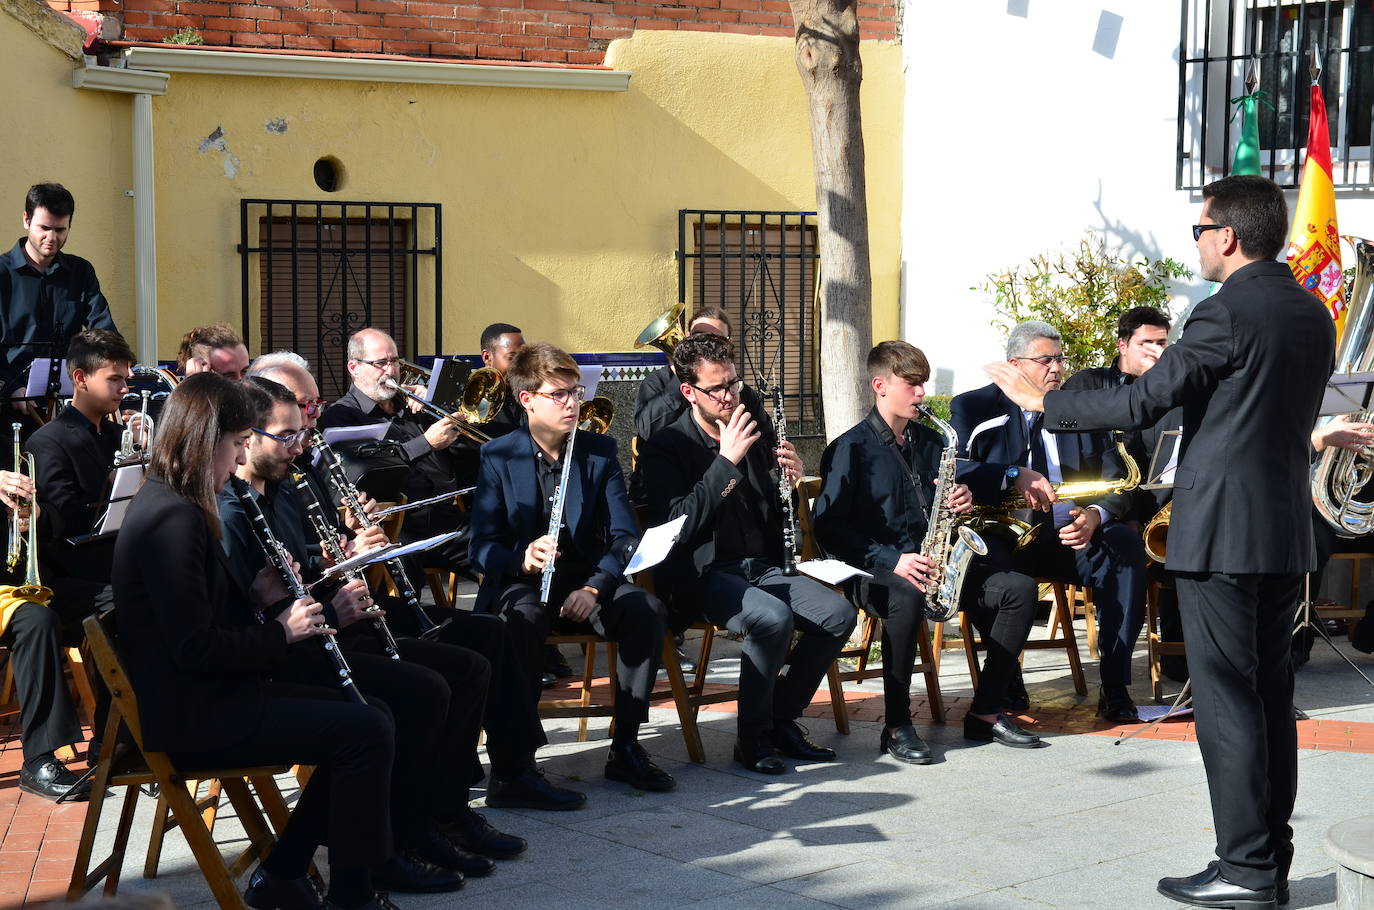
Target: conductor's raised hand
1015 385
538 553
737 435
303 619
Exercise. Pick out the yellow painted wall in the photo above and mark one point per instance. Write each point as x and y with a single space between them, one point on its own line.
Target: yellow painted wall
560 208
77 138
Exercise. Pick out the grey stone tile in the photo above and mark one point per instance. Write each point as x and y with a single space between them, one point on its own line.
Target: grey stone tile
875 883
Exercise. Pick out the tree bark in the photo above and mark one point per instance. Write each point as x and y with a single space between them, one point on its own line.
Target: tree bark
828 60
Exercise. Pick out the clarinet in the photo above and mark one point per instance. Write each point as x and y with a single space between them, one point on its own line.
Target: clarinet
344 488
556 518
329 542
276 555
789 517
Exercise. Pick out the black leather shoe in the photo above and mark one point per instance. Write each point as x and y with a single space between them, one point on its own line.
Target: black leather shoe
1284 857
556 663
379 902
444 853
788 737
49 778
475 834
1115 704
409 874
547 680
756 753
269 892
632 765
531 790
1209 889
904 744
1362 639
1002 731
1017 699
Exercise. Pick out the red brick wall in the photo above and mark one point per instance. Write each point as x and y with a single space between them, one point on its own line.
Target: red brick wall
554 31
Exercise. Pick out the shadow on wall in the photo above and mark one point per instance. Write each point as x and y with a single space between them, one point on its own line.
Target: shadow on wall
1130 242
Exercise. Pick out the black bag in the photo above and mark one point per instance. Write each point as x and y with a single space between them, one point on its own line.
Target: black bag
377 467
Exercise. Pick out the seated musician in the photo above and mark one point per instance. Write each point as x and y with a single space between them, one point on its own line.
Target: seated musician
1077 543
878 485
214 348
435 691
658 401
73 455
715 465
514 731
500 342
522 474
1345 433
205 670
439 455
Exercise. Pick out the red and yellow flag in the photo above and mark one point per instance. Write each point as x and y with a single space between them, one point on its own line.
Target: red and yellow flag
1314 252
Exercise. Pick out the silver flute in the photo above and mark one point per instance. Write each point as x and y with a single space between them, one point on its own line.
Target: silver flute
556 519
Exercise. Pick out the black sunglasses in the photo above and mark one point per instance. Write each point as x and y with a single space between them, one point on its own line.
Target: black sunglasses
1199 228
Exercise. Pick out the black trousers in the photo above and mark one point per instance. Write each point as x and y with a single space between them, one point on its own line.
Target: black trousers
901 606
37 637
629 616
1238 628
1114 564
345 804
1001 605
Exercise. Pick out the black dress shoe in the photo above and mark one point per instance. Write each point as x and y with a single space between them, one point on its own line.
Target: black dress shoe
904 744
788 737
269 892
475 834
1017 699
547 680
632 765
1115 704
379 902
409 874
757 754
530 790
1209 889
1001 731
556 663
47 777
444 853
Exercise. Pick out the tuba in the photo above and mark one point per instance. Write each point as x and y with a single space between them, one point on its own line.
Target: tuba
664 332
595 416
1340 474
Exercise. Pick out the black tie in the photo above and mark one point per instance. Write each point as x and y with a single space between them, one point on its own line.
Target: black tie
1040 463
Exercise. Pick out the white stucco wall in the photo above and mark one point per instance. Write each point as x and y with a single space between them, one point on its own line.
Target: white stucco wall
1026 122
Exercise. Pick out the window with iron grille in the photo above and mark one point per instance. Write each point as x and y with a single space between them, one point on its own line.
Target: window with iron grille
1272 43
760 268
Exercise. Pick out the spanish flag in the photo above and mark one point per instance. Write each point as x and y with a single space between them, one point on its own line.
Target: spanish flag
1314 252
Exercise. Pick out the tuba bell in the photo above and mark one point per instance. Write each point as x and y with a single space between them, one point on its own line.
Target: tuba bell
664 332
595 416
1156 533
1340 474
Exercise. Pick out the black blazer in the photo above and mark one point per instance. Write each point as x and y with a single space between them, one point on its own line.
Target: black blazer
195 656
1249 372
508 513
992 436
73 459
869 511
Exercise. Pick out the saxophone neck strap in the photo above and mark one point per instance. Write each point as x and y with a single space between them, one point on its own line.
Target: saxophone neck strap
891 444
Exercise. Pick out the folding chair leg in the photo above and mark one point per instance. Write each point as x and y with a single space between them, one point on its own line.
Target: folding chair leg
686 711
970 647
202 845
837 703
588 674
260 837
83 877
933 696
1062 610
161 821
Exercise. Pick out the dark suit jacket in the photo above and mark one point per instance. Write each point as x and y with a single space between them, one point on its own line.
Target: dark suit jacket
508 513
992 436
195 656
659 402
869 512
1249 372
73 459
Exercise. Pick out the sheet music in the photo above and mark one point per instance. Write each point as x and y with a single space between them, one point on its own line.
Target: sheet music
389 552
37 385
591 378
127 480
435 372
368 432
655 545
831 571
1164 461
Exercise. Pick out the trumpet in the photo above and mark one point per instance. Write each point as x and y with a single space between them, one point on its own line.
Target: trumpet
483 396
664 332
131 449
32 590
16 544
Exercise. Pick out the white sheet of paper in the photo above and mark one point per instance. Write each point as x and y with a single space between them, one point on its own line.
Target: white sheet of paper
655 545
127 480
362 559
831 571
365 433
591 378
434 377
37 385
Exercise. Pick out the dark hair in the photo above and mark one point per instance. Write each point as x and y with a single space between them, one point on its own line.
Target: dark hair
200 341
712 312
703 346
492 334
267 394
535 363
54 197
900 359
202 409
93 348
1254 208
1135 317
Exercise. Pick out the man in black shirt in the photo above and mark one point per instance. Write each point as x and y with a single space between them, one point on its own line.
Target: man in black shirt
710 466
46 296
500 342
73 456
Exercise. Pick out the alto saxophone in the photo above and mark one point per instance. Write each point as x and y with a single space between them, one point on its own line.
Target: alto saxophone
949 544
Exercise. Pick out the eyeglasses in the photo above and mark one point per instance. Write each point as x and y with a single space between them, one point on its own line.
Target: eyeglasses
381 363
1047 359
561 397
312 408
719 393
1198 229
286 439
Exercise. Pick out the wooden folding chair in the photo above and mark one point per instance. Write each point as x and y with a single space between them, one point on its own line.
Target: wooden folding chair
1156 645
1349 613
582 707
133 766
1081 603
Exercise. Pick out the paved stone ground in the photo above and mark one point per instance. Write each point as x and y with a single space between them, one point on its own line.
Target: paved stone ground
1082 824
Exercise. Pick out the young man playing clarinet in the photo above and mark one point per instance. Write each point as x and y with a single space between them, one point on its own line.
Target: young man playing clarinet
524 475
878 487
711 466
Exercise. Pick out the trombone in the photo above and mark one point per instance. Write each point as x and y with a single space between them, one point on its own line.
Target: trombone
483 396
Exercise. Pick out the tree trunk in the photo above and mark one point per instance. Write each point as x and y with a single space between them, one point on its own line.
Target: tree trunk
828 60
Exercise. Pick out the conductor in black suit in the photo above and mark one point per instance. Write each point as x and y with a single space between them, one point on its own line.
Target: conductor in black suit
1240 539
